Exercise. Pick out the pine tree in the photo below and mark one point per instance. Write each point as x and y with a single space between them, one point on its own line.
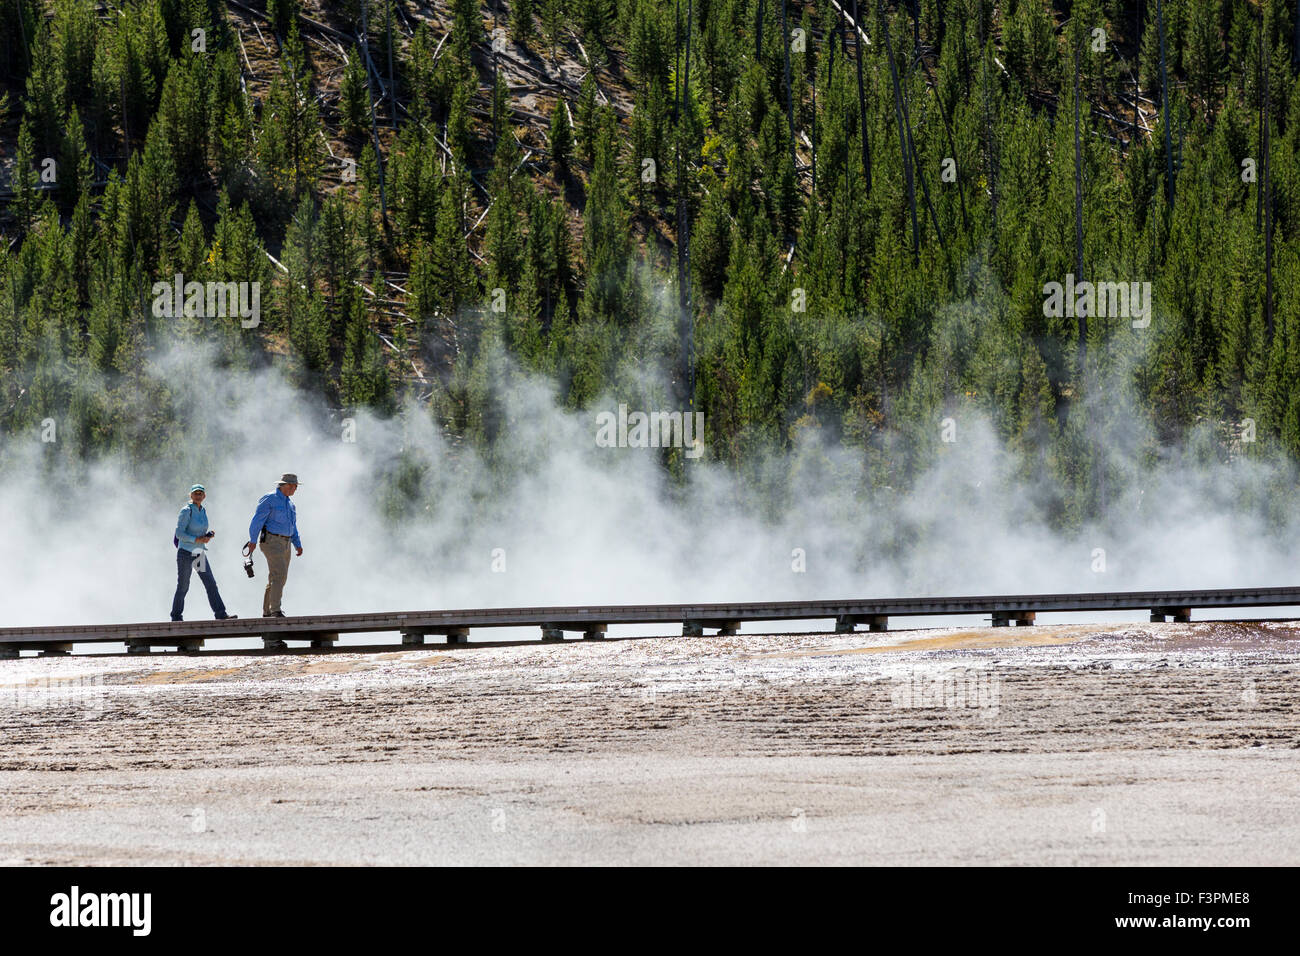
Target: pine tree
75 33
424 299
1036 416
46 101
710 246
501 110
553 14
521 22
139 66
283 15
289 148
363 213
183 115
233 147
339 253
192 252
74 162
502 240
1204 47
605 247
26 200
449 256
467 24
523 316
596 19
82 236
236 253
354 99
587 118
1031 44
458 130
364 375
421 72
561 140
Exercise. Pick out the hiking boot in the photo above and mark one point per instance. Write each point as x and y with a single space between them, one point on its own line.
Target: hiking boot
227 617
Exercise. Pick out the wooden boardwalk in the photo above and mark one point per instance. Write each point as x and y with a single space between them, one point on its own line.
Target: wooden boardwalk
592 622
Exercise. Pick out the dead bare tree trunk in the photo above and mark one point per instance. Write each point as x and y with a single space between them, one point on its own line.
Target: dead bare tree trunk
862 100
685 317
364 49
1164 103
789 89
903 139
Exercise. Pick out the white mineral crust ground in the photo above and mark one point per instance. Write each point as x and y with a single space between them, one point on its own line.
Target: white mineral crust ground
1071 745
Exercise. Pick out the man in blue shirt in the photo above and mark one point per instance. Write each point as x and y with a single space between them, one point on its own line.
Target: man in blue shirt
275 524
191 540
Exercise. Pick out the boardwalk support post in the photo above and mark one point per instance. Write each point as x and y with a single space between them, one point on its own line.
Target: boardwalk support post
143 645
552 632
10 651
695 627
594 632
845 623
1021 618
414 636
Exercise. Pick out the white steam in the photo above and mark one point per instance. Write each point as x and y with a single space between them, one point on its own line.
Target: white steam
580 524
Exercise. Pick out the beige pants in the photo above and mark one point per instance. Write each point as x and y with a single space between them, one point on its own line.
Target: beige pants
277 552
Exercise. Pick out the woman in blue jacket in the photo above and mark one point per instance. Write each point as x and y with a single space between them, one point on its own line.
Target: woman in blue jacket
192 537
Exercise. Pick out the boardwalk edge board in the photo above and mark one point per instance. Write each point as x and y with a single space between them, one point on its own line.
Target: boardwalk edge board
593 622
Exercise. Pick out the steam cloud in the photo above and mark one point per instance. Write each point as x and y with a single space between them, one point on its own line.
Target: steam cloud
580 524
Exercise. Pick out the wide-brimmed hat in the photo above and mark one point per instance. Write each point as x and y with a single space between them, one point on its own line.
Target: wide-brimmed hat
288 479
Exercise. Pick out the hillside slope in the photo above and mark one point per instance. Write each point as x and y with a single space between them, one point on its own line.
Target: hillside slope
851 233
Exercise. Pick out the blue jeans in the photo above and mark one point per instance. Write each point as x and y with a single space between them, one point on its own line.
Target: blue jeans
185 563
